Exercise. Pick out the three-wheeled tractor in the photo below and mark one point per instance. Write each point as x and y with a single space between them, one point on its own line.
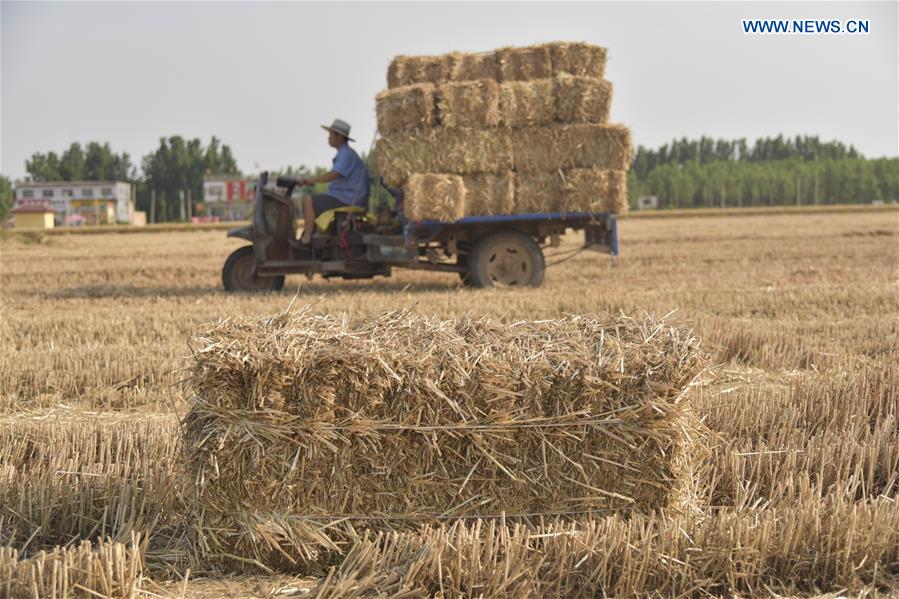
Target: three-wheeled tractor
484 251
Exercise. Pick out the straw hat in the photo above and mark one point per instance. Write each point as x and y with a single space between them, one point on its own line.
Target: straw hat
340 127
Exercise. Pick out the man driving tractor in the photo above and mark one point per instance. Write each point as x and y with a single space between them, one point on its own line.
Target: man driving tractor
348 180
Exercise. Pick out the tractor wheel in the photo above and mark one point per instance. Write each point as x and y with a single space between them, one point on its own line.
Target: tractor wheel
506 259
238 275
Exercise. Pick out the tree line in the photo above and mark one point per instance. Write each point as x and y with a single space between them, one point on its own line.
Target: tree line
772 171
169 175
168 178
686 173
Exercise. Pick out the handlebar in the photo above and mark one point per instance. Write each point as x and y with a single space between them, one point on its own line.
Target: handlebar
283 181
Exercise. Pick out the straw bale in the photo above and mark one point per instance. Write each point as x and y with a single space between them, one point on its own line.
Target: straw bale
305 428
472 66
488 193
469 104
434 197
537 192
457 151
595 190
571 190
406 108
582 99
584 60
409 70
524 64
572 146
527 103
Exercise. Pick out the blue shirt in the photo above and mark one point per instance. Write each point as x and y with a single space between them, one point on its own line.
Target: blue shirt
353 184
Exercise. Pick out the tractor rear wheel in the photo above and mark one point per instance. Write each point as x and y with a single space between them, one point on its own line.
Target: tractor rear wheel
506 259
238 274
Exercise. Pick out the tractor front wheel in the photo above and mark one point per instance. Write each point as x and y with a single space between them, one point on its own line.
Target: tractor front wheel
238 274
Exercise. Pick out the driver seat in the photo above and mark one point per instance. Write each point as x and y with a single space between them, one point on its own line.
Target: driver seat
324 220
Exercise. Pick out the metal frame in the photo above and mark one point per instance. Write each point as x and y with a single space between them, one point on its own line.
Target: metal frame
536 223
417 246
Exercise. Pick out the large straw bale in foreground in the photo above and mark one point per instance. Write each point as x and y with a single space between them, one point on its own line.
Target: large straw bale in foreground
572 190
527 103
543 149
488 193
459 151
406 108
582 99
469 104
302 426
434 197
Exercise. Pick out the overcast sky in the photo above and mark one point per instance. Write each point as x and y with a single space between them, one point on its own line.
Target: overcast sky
263 77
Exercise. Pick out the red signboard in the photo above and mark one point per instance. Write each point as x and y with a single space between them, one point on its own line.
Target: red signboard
235 190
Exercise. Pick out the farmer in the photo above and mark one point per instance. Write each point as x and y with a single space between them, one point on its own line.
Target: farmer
348 181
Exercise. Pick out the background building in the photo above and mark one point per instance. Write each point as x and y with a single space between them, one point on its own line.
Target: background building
96 202
33 214
228 197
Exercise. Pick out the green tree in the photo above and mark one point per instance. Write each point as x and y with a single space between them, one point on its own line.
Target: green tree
102 164
96 162
43 167
71 164
178 167
5 197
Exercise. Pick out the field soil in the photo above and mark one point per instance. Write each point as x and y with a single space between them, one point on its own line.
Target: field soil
799 312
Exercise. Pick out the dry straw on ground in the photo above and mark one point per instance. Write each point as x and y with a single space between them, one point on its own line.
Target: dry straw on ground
434 197
803 409
801 548
77 480
306 427
406 108
109 569
469 104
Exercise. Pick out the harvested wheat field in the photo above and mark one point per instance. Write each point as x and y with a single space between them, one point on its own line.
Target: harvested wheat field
718 414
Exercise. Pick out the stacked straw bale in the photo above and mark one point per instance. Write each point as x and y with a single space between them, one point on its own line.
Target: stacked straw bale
522 114
576 188
304 428
435 197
